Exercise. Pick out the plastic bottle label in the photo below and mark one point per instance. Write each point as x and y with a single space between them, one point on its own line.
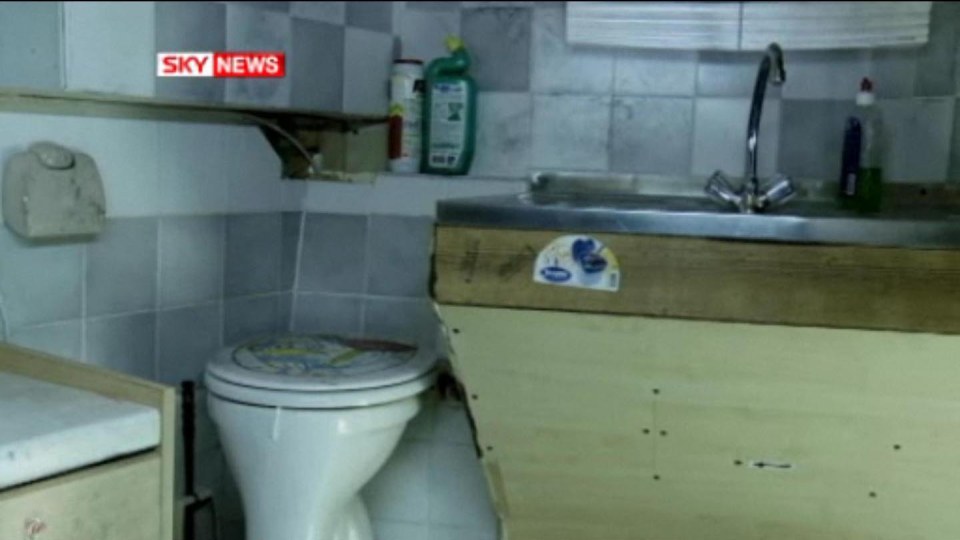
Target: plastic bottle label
405 105
448 124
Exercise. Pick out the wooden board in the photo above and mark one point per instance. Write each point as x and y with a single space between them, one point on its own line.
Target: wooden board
807 285
37 365
118 501
610 427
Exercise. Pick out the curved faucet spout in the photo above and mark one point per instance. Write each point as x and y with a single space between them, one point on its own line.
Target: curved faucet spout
770 71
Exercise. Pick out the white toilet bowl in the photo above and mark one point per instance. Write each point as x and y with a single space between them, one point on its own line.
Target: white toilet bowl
305 422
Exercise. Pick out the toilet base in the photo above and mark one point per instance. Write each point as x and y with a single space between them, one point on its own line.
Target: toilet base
355 524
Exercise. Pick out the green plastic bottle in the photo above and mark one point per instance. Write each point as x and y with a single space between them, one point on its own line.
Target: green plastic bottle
450 113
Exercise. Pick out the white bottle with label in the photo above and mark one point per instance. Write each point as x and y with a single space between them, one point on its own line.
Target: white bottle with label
405 121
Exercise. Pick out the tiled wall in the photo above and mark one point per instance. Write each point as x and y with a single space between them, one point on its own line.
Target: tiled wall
202 240
546 105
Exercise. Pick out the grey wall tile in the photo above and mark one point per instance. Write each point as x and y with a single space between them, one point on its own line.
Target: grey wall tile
812 138
40 283
330 12
894 72
328 314
719 140
936 62
187 339
121 271
191 26
124 343
424 28
954 172
290 244
191 259
252 29
658 73
398 255
825 74
504 124
333 258
377 16
63 339
918 138
30 45
253 254
368 57
570 132
405 320
558 67
652 135
250 317
316 65
722 73
281 7
284 311
499 44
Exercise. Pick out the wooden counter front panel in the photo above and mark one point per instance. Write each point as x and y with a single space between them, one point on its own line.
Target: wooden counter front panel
600 427
806 285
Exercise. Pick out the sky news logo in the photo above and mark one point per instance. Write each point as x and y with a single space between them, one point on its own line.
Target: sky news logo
222 64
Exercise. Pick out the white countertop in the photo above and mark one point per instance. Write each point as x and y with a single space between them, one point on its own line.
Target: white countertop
48 429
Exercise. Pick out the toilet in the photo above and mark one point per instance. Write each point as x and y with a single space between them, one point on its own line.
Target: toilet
306 420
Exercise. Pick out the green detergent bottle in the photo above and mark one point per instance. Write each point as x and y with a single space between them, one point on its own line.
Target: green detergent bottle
450 113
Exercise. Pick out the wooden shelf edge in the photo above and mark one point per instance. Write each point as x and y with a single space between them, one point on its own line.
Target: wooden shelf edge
301 125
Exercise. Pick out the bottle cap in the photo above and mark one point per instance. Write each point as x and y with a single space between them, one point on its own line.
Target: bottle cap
865 96
454 43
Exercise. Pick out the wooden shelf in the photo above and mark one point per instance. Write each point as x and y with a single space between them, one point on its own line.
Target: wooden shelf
284 128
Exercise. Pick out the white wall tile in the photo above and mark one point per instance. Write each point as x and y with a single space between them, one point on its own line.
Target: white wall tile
466 502
423 31
293 193
31 44
330 12
251 29
192 175
368 56
503 134
253 171
338 197
110 47
407 195
825 74
400 490
917 134
64 339
558 67
570 132
720 132
656 73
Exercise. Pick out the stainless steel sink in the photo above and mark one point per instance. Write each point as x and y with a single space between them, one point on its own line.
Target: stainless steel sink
660 205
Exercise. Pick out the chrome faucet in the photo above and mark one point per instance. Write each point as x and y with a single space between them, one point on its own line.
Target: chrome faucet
751 197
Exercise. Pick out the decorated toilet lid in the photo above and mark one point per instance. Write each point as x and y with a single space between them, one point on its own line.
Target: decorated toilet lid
317 363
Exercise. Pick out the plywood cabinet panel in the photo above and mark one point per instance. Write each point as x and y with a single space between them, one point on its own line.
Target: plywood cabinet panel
119 501
608 427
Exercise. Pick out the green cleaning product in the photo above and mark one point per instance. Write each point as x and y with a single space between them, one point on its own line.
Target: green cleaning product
450 105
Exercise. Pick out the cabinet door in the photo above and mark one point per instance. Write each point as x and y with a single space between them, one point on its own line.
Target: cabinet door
117 501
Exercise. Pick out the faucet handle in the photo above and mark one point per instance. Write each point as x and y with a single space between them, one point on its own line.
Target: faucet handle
719 189
778 191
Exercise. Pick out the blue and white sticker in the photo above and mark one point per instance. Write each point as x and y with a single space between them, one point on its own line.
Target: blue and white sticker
578 261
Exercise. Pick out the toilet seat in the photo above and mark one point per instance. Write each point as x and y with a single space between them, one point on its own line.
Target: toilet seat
319 372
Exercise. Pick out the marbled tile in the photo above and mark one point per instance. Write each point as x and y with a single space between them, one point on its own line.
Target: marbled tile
571 132
557 67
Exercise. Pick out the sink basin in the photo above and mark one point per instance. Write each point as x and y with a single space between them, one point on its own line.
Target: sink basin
672 206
